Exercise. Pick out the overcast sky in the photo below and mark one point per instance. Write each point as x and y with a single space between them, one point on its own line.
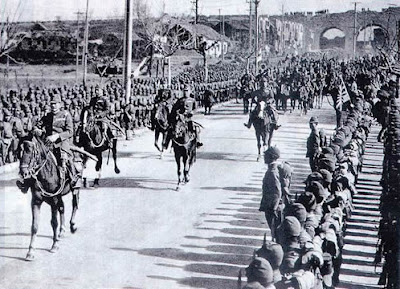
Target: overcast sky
41 10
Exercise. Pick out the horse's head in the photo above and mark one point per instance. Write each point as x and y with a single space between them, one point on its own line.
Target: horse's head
32 151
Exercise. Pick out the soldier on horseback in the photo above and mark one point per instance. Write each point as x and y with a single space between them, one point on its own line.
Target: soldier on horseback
184 107
58 128
265 95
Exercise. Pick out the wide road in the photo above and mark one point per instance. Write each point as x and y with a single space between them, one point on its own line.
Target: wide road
137 231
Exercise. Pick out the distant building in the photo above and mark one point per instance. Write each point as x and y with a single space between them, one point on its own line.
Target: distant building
192 34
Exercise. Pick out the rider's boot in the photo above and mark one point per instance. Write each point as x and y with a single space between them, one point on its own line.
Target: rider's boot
22 186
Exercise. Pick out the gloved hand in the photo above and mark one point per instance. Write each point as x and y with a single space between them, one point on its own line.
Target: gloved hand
53 137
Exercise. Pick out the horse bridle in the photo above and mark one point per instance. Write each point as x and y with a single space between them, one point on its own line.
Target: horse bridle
31 168
34 171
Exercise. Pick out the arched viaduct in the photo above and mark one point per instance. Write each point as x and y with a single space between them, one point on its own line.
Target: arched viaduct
315 26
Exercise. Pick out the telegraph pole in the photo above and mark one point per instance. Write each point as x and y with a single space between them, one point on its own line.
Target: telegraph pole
196 11
223 33
256 2
355 29
283 30
250 26
128 48
77 44
85 49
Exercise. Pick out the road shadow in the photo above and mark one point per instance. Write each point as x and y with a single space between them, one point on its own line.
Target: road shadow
138 183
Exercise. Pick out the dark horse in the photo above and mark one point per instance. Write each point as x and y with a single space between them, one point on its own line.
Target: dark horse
184 144
161 125
264 127
96 138
39 169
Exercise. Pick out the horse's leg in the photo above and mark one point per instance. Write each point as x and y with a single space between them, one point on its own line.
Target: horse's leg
114 154
186 168
164 136
270 134
264 136
178 164
35 206
99 164
61 210
75 203
258 136
156 136
54 225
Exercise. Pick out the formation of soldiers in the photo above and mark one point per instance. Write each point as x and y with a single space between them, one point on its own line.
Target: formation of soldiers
21 110
308 231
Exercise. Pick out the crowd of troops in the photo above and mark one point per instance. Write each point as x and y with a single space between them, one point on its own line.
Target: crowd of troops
307 230
21 110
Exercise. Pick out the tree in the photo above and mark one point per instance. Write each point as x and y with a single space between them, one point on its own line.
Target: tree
9 35
162 34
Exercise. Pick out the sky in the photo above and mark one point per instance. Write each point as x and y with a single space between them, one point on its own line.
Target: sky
44 10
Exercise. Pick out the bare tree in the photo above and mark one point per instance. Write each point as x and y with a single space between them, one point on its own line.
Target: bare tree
9 34
162 34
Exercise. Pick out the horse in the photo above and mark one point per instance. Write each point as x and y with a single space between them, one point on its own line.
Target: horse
160 123
38 167
208 101
264 127
96 138
184 145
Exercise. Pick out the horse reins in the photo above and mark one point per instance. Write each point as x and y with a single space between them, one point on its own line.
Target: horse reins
34 174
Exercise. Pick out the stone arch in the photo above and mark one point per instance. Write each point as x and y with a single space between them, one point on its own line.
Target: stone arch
332 37
372 36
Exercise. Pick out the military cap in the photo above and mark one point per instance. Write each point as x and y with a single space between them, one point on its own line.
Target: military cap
260 270
274 152
318 190
313 119
273 253
308 200
297 210
291 226
314 176
326 175
56 99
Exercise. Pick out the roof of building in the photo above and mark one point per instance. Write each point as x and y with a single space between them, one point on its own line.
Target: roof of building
203 30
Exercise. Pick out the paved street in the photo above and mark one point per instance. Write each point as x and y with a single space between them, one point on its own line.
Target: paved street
137 231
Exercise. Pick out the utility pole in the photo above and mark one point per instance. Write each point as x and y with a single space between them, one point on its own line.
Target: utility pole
223 33
77 44
220 30
283 30
128 48
85 49
256 2
250 27
365 29
196 11
355 29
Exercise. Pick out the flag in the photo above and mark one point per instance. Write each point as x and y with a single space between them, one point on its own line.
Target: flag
343 95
